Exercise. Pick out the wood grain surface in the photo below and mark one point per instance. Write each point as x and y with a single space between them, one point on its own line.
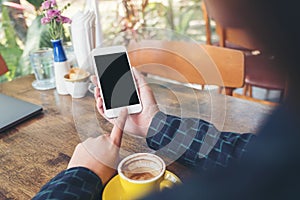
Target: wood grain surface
36 150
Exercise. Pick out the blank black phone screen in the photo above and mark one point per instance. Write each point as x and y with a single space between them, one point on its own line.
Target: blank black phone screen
116 80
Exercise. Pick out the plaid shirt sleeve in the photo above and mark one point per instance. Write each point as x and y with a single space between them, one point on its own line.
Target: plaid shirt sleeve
75 183
195 142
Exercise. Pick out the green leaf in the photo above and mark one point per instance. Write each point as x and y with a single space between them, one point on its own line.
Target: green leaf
9 48
157 7
184 20
36 3
11 56
170 15
9 31
37 36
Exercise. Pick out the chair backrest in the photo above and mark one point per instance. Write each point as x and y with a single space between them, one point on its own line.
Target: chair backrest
233 34
3 66
216 10
189 62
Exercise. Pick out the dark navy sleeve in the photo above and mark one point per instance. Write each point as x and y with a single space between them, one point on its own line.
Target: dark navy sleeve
74 183
195 142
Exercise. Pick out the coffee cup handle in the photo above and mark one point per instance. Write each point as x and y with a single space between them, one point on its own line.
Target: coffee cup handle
168 181
165 183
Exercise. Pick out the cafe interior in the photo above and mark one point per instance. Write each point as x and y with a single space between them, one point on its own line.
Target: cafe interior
196 64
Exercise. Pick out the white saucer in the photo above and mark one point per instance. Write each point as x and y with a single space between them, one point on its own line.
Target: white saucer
38 85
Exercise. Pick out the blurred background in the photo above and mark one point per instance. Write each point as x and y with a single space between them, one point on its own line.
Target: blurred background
21 30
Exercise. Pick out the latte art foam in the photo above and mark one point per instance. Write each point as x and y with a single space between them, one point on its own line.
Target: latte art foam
141 173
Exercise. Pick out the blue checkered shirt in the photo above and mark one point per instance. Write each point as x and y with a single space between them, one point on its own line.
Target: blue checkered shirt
75 183
195 142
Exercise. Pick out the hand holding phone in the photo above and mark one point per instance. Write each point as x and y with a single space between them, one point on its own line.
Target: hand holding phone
137 124
115 79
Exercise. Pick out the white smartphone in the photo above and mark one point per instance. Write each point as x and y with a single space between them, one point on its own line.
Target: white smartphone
115 79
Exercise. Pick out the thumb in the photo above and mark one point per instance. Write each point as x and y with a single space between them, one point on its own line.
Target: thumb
138 77
93 78
117 131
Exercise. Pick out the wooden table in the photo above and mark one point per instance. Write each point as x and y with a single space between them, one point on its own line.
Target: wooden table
36 150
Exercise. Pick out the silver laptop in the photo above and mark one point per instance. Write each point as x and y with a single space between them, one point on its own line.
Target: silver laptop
14 111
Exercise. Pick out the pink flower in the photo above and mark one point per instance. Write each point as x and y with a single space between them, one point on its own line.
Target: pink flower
45 20
46 5
53 3
53 13
52 16
65 20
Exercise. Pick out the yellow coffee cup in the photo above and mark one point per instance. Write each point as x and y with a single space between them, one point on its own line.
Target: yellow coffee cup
142 173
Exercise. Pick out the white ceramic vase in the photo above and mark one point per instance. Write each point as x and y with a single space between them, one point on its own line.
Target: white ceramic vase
61 66
60 69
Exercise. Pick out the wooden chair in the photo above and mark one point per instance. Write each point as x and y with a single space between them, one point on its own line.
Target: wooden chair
3 66
189 62
260 70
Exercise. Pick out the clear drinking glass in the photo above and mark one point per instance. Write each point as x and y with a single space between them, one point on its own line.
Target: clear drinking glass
42 64
71 55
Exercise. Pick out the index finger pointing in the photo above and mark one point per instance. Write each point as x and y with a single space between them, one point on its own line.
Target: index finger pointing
117 131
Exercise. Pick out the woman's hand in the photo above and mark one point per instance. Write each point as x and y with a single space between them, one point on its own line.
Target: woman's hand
101 154
136 124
